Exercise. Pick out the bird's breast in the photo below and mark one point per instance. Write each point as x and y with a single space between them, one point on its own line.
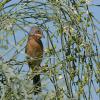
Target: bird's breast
34 48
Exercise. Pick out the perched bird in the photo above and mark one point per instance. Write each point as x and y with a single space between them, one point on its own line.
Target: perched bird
34 50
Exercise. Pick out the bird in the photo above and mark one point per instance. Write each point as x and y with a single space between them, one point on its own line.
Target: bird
34 51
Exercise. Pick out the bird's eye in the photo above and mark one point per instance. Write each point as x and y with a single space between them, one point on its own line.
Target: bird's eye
38 31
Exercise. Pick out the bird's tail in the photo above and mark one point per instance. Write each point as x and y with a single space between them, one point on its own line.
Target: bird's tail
37 84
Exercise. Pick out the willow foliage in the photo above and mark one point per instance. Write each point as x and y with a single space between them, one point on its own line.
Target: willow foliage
71 63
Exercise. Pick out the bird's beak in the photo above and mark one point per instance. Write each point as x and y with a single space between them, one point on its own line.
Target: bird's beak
40 35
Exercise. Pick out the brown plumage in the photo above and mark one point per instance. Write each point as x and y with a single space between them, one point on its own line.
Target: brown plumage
34 49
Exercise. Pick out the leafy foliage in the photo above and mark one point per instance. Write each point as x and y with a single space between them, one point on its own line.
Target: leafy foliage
70 68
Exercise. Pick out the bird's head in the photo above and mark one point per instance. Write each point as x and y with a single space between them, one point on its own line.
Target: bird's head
36 31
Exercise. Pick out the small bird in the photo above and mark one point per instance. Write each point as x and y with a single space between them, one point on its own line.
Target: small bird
34 50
